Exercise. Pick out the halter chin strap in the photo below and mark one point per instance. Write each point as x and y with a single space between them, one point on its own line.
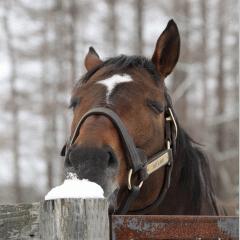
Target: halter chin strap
137 161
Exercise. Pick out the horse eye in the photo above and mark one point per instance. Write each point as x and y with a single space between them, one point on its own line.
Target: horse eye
74 102
155 106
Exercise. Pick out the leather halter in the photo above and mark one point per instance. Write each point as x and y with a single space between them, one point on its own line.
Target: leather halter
137 161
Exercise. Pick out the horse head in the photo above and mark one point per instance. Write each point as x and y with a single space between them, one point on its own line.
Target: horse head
133 88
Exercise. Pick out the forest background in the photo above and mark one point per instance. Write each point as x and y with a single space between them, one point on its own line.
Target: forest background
43 44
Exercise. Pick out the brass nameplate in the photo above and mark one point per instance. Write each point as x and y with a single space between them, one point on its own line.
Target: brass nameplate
156 164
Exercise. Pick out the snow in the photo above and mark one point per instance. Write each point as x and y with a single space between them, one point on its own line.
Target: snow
76 188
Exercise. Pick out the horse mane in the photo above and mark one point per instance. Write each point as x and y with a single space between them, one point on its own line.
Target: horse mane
121 64
195 174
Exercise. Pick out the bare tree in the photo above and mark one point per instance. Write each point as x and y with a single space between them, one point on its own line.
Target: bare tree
73 11
139 43
204 58
220 91
180 74
45 104
112 25
15 125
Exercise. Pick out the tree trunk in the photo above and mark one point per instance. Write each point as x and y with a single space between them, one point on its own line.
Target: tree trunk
140 24
15 128
45 105
220 91
204 58
73 40
180 75
112 22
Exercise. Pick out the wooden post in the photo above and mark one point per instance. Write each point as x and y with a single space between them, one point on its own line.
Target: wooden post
75 219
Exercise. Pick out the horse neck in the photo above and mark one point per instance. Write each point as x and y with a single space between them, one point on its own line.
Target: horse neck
190 191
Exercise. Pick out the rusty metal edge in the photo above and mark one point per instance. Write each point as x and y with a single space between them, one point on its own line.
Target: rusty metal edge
227 226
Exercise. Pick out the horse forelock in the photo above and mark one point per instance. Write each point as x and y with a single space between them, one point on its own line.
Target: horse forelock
122 64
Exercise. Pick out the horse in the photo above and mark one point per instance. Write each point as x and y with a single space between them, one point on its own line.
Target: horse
126 137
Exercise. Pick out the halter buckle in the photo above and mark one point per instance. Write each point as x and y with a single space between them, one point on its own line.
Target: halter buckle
168 144
129 180
168 147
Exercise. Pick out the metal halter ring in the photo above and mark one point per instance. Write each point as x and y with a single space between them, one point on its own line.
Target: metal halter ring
129 180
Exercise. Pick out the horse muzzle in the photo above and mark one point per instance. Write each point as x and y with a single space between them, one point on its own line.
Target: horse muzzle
99 165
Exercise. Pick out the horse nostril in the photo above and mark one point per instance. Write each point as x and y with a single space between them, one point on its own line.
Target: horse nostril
68 162
84 158
112 160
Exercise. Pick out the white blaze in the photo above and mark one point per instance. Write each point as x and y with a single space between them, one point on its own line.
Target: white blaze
112 82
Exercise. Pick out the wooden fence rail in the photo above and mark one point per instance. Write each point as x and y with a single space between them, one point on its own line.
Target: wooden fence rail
85 219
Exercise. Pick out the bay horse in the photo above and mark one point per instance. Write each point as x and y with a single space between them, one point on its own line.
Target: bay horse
125 136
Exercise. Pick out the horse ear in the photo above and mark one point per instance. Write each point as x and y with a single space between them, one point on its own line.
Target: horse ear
92 59
167 50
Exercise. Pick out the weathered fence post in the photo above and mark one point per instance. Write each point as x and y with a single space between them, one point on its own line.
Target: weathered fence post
74 219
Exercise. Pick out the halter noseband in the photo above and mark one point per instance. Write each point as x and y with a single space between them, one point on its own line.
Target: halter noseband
137 161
